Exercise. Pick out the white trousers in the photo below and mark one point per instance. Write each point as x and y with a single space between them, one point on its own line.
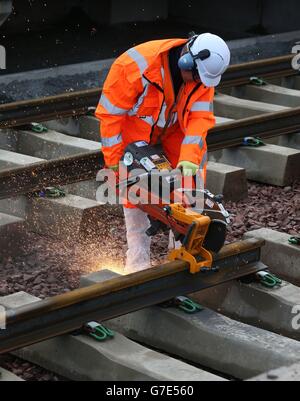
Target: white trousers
138 254
172 243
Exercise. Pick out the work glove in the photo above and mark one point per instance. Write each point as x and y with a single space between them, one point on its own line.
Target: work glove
188 169
114 168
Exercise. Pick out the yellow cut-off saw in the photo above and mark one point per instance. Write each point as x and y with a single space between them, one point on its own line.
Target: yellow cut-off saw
201 232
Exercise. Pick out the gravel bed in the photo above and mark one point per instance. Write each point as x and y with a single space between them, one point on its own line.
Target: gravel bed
51 267
27 371
267 206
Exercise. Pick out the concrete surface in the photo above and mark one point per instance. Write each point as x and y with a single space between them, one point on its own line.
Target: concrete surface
296 83
85 189
13 211
282 258
8 140
12 234
59 216
223 120
85 127
273 94
286 82
6 376
285 374
268 309
67 126
227 180
17 300
53 145
16 206
90 128
88 190
70 218
82 358
288 141
270 164
206 338
235 108
11 159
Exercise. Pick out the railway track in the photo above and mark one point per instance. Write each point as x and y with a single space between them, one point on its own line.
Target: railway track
231 134
68 155
69 312
79 103
85 166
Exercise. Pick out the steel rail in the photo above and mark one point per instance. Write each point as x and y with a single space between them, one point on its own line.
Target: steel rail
48 108
34 177
264 126
78 103
22 180
275 67
18 181
62 314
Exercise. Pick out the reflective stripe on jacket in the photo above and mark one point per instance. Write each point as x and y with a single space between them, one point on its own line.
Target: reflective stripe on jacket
134 99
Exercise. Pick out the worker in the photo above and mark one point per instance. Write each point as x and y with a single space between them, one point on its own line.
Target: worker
161 92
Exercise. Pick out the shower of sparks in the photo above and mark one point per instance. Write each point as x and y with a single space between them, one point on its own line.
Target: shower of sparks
114 266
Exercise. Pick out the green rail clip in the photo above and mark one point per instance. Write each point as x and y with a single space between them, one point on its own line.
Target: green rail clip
269 280
51 192
187 305
38 128
91 111
294 241
98 332
252 141
257 81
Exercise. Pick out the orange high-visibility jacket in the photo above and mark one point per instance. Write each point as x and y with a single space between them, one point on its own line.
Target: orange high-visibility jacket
137 98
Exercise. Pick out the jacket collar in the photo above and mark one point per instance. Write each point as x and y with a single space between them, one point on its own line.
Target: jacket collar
154 71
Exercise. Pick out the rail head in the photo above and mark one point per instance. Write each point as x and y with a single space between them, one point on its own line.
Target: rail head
46 319
77 103
126 282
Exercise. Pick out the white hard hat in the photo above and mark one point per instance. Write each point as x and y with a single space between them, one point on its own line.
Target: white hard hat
212 68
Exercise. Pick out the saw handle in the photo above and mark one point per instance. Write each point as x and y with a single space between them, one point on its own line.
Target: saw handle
188 236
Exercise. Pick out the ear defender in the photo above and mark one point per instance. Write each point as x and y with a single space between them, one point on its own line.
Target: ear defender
186 62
